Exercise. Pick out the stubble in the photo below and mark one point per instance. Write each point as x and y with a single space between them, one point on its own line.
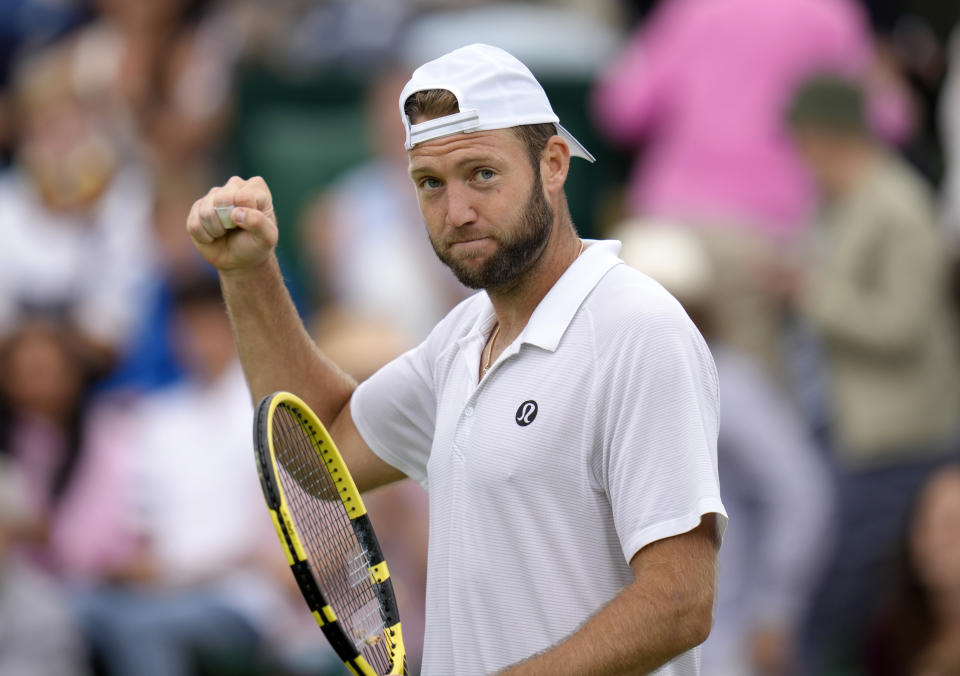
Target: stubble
514 255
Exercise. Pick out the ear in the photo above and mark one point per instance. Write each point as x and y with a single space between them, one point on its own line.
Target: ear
554 164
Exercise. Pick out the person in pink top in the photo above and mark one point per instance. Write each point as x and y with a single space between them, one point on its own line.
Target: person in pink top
705 84
701 90
53 433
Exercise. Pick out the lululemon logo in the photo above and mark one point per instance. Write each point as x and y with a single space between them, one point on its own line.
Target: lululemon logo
527 413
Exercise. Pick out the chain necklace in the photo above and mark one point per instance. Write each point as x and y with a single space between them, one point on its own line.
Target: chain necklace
493 339
496 332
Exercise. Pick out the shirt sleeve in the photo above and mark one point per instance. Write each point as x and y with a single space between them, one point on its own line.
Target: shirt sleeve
661 417
395 412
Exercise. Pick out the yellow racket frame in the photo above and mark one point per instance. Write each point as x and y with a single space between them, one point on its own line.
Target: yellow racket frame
291 541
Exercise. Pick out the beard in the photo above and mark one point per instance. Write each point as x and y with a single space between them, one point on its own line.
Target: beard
517 252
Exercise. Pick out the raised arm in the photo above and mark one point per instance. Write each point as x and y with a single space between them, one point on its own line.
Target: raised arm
664 612
274 347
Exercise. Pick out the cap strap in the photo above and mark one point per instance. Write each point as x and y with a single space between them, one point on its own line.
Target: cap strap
465 120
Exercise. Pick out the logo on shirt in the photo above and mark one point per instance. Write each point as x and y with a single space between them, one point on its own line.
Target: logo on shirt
527 413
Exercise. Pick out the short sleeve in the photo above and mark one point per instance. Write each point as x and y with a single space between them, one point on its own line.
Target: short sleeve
659 396
395 412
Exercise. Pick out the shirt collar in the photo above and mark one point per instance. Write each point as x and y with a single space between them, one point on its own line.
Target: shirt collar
553 315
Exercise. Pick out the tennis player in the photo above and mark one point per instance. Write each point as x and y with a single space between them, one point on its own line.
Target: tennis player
563 421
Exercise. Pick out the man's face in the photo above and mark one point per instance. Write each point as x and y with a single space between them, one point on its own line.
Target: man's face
484 206
827 157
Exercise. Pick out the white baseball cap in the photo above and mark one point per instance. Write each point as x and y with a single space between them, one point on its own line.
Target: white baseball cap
494 90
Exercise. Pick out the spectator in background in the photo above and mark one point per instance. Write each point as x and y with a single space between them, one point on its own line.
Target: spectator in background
774 482
37 635
875 295
28 24
145 83
920 633
170 64
74 211
700 91
205 580
63 449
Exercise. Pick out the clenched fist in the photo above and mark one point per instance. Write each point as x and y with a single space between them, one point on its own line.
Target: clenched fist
238 238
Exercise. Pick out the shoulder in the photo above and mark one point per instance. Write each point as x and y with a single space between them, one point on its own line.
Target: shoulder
641 331
628 303
900 190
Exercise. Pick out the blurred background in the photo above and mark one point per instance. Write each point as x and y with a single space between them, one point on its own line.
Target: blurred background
788 169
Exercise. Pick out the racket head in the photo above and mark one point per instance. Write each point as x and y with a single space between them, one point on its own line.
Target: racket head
327 537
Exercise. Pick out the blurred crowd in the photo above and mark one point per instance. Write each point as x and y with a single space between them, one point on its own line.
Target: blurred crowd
788 169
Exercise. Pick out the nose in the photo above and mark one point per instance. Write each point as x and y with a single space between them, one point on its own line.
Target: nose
460 209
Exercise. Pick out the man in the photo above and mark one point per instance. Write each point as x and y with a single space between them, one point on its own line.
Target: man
564 422
876 297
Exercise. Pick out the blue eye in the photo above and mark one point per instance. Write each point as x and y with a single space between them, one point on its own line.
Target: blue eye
486 174
429 183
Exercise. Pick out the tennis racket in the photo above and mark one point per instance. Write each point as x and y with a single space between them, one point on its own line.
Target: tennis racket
327 536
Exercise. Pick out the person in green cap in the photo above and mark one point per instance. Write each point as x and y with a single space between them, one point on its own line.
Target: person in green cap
874 294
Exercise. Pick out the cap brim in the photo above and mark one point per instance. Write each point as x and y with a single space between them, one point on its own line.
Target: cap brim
576 148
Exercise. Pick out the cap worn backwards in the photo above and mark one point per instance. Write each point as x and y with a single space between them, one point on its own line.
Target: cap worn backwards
494 91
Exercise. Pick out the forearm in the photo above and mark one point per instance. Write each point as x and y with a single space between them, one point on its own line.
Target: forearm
274 347
666 611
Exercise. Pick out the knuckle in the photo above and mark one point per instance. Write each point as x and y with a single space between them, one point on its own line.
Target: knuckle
261 183
221 197
196 231
248 196
269 237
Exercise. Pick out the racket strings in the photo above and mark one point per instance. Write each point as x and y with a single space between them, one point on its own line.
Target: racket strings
336 557
358 569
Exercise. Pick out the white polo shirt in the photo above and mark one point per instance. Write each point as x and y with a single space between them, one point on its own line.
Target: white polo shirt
592 435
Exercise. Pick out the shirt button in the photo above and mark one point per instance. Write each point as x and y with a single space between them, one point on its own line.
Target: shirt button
468 411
